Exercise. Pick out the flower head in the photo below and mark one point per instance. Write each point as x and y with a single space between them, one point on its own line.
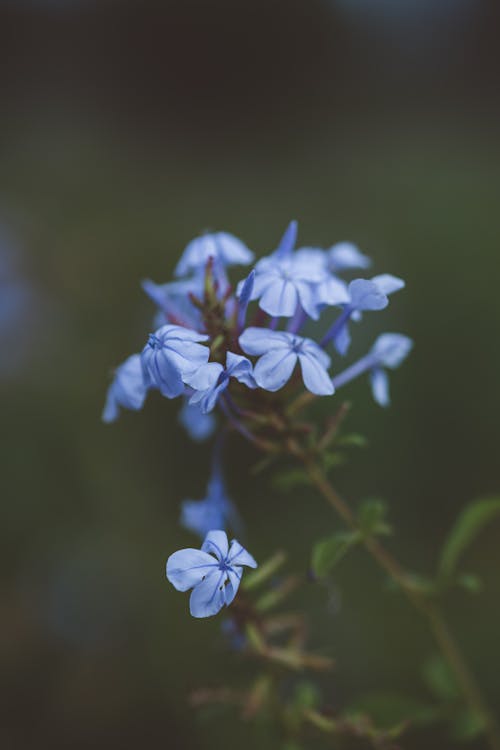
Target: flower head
128 389
224 248
213 573
279 352
172 355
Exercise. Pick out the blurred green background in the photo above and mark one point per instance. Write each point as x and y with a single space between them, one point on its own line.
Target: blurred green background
129 127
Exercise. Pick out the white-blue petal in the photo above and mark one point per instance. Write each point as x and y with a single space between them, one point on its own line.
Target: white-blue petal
344 256
315 376
187 567
238 555
216 542
379 382
280 299
366 295
257 341
388 284
275 368
208 597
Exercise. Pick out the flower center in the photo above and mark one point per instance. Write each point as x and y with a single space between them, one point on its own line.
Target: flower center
297 345
154 342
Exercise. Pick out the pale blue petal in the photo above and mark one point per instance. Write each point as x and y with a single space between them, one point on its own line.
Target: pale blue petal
274 369
199 426
200 516
238 555
342 340
204 377
311 347
279 299
309 298
223 247
380 386
333 291
366 295
208 597
287 242
216 542
257 341
388 284
161 373
315 376
390 349
234 579
344 256
240 368
128 389
187 567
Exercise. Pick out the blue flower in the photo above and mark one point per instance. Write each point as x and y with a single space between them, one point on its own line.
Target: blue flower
284 280
198 426
388 352
212 379
279 352
363 295
224 248
128 389
214 573
171 356
215 511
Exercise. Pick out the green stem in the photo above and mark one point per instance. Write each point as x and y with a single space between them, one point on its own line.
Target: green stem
439 628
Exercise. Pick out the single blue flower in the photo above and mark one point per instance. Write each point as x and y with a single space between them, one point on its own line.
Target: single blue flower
214 573
224 248
283 281
364 295
171 356
215 511
388 352
199 426
279 352
128 389
211 380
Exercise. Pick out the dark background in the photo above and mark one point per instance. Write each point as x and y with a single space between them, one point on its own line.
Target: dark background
127 128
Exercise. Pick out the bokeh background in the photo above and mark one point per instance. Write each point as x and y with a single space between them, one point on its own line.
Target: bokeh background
126 129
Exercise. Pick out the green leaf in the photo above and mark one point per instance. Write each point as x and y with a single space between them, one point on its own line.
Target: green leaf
328 553
440 680
387 710
371 517
468 525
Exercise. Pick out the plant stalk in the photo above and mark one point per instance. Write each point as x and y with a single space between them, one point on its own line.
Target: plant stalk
442 635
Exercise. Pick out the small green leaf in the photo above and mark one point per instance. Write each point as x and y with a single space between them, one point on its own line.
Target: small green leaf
440 680
371 517
328 553
468 525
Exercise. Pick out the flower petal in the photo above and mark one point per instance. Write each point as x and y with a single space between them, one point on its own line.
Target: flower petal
279 299
366 295
208 597
216 542
239 556
274 369
316 378
187 567
257 341
380 386
388 284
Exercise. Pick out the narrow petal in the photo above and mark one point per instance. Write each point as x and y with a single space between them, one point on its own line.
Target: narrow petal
316 378
342 340
216 542
239 556
208 597
388 284
287 242
188 567
380 387
274 369
309 298
240 368
234 578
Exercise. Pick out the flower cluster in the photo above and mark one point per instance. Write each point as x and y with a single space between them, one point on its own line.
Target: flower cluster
223 354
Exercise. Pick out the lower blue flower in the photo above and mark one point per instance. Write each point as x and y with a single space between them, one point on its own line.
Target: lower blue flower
213 573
